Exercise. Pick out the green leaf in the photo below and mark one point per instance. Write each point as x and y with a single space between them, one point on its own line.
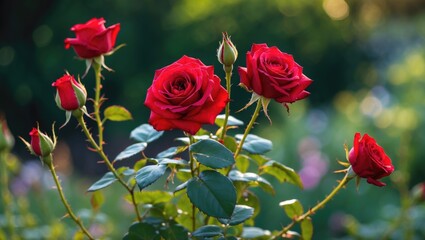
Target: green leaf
240 215
230 143
213 193
242 163
253 180
207 231
212 154
255 232
105 181
306 229
149 174
181 186
293 208
96 200
117 113
145 133
131 150
170 152
172 161
255 144
250 199
281 173
174 232
231 121
153 197
140 230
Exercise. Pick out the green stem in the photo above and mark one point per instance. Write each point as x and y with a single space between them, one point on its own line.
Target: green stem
7 196
97 102
66 204
110 166
192 171
248 128
227 110
317 207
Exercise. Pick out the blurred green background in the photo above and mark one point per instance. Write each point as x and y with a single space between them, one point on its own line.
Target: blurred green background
367 60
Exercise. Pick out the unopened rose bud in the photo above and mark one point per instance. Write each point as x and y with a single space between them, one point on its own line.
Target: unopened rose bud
227 52
6 138
41 144
70 95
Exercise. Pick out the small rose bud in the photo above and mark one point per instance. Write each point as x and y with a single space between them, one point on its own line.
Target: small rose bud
41 144
70 95
227 52
6 138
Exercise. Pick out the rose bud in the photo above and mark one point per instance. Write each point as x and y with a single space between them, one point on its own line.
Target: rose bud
227 52
41 145
273 74
185 95
6 138
70 95
93 39
368 160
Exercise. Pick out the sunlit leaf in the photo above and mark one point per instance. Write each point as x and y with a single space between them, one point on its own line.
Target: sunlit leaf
145 133
213 194
252 179
242 163
281 173
149 174
97 199
212 154
231 121
105 181
117 113
131 150
255 144
293 208
255 232
306 229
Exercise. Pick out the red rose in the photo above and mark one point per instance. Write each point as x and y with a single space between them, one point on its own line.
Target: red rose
92 38
185 95
369 160
71 95
273 74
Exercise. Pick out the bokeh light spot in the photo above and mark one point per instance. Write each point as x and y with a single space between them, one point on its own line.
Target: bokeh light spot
336 9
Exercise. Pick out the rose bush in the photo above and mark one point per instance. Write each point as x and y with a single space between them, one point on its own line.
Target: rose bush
274 74
185 95
93 38
369 160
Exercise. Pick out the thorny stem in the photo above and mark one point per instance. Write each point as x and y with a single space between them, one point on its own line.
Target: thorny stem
7 196
192 171
97 102
248 128
108 163
66 204
227 110
317 207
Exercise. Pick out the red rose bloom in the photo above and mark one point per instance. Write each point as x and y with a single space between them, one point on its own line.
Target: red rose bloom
369 160
273 74
185 95
92 38
71 95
